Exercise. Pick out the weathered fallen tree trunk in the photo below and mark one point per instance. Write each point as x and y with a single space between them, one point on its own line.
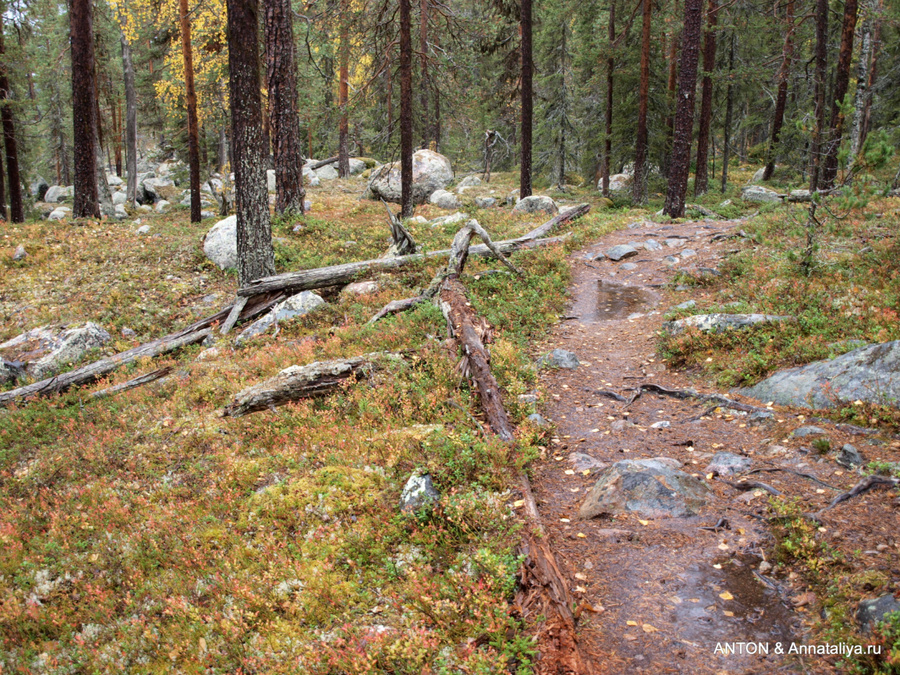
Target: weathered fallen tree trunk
543 589
306 280
194 333
324 162
133 383
297 382
96 370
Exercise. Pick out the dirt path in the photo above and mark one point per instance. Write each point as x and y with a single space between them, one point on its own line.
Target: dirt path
669 591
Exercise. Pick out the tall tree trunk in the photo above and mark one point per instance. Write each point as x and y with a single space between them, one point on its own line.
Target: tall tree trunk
130 123
256 258
607 136
873 71
117 121
281 75
16 212
729 111
222 150
684 110
424 84
787 55
701 179
86 202
343 97
674 39
191 101
437 118
3 212
841 85
406 130
821 58
639 180
527 74
862 83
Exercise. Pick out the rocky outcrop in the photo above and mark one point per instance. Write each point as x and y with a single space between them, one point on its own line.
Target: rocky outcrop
431 171
43 351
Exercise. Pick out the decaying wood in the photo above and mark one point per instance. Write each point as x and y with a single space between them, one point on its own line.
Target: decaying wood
306 280
402 242
703 211
324 162
233 315
299 382
133 383
192 334
543 589
97 369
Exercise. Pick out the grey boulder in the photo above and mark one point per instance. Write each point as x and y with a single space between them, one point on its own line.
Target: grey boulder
296 305
536 204
418 492
621 252
46 350
728 464
559 358
849 457
485 202
444 199
759 194
868 374
431 171
654 488
872 611
719 323
220 243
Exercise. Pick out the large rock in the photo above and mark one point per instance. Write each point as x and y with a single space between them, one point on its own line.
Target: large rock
649 487
113 180
327 172
55 193
119 198
757 193
621 251
357 166
220 243
39 188
872 611
618 182
46 350
728 464
559 358
294 306
431 171
60 213
444 199
310 179
536 204
867 374
719 323
466 183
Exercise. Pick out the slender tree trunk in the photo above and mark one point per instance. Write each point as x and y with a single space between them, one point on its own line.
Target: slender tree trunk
437 119
701 179
86 202
130 123
639 180
841 85
684 110
118 123
3 212
821 58
16 212
527 74
674 39
191 101
729 111
863 93
281 77
787 55
610 68
222 151
256 258
406 130
343 97
873 71
424 85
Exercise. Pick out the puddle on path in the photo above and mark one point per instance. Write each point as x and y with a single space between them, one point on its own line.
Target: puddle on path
606 301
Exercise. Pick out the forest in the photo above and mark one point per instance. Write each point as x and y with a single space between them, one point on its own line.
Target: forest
440 337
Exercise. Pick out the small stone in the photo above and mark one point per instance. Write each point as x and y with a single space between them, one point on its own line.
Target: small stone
621 425
128 333
728 464
535 204
652 245
594 256
872 611
803 432
528 398
670 260
537 420
559 358
20 253
689 304
143 229
485 202
583 462
765 567
361 288
662 424
849 457
629 266
727 202
688 253
621 252
418 492
760 417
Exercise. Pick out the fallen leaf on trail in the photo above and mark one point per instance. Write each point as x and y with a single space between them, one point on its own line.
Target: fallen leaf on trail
647 628
643 522
581 535
675 599
580 576
725 595
564 520
803 599
631 623
728 613
580 589
518 503
629 637
723 546
717 566
569 472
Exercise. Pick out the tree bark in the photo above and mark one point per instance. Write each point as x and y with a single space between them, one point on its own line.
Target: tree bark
701 177
684 110
610 69
191 101
4 214
873 70
527 91
86 202
343 98
639 180
424 84
787 55
130 123
729 111
281 76
863 93
821 59
256 258
841 85
16 212
406 127
674 37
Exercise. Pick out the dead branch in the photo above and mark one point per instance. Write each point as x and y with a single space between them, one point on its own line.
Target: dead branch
745 485
298 382
402 242
794 473
864 485
324 162
702 210
133 383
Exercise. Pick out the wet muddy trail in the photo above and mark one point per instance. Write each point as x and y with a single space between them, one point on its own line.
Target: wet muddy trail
670 596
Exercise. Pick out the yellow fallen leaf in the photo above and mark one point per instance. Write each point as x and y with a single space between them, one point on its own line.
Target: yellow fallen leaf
717 566
586 472
564 520
727 613
581 535
675 599
569 472
580 576
725 595
710 476
631 623
723 546
518 503
643 522
630 637
580 589
647 628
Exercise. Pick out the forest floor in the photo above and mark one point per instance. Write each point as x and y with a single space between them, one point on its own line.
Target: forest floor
144 532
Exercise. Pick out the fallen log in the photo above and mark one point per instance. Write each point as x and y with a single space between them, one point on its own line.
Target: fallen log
97 369
324 162
543 590
298 382
132 383
305 280
192 334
